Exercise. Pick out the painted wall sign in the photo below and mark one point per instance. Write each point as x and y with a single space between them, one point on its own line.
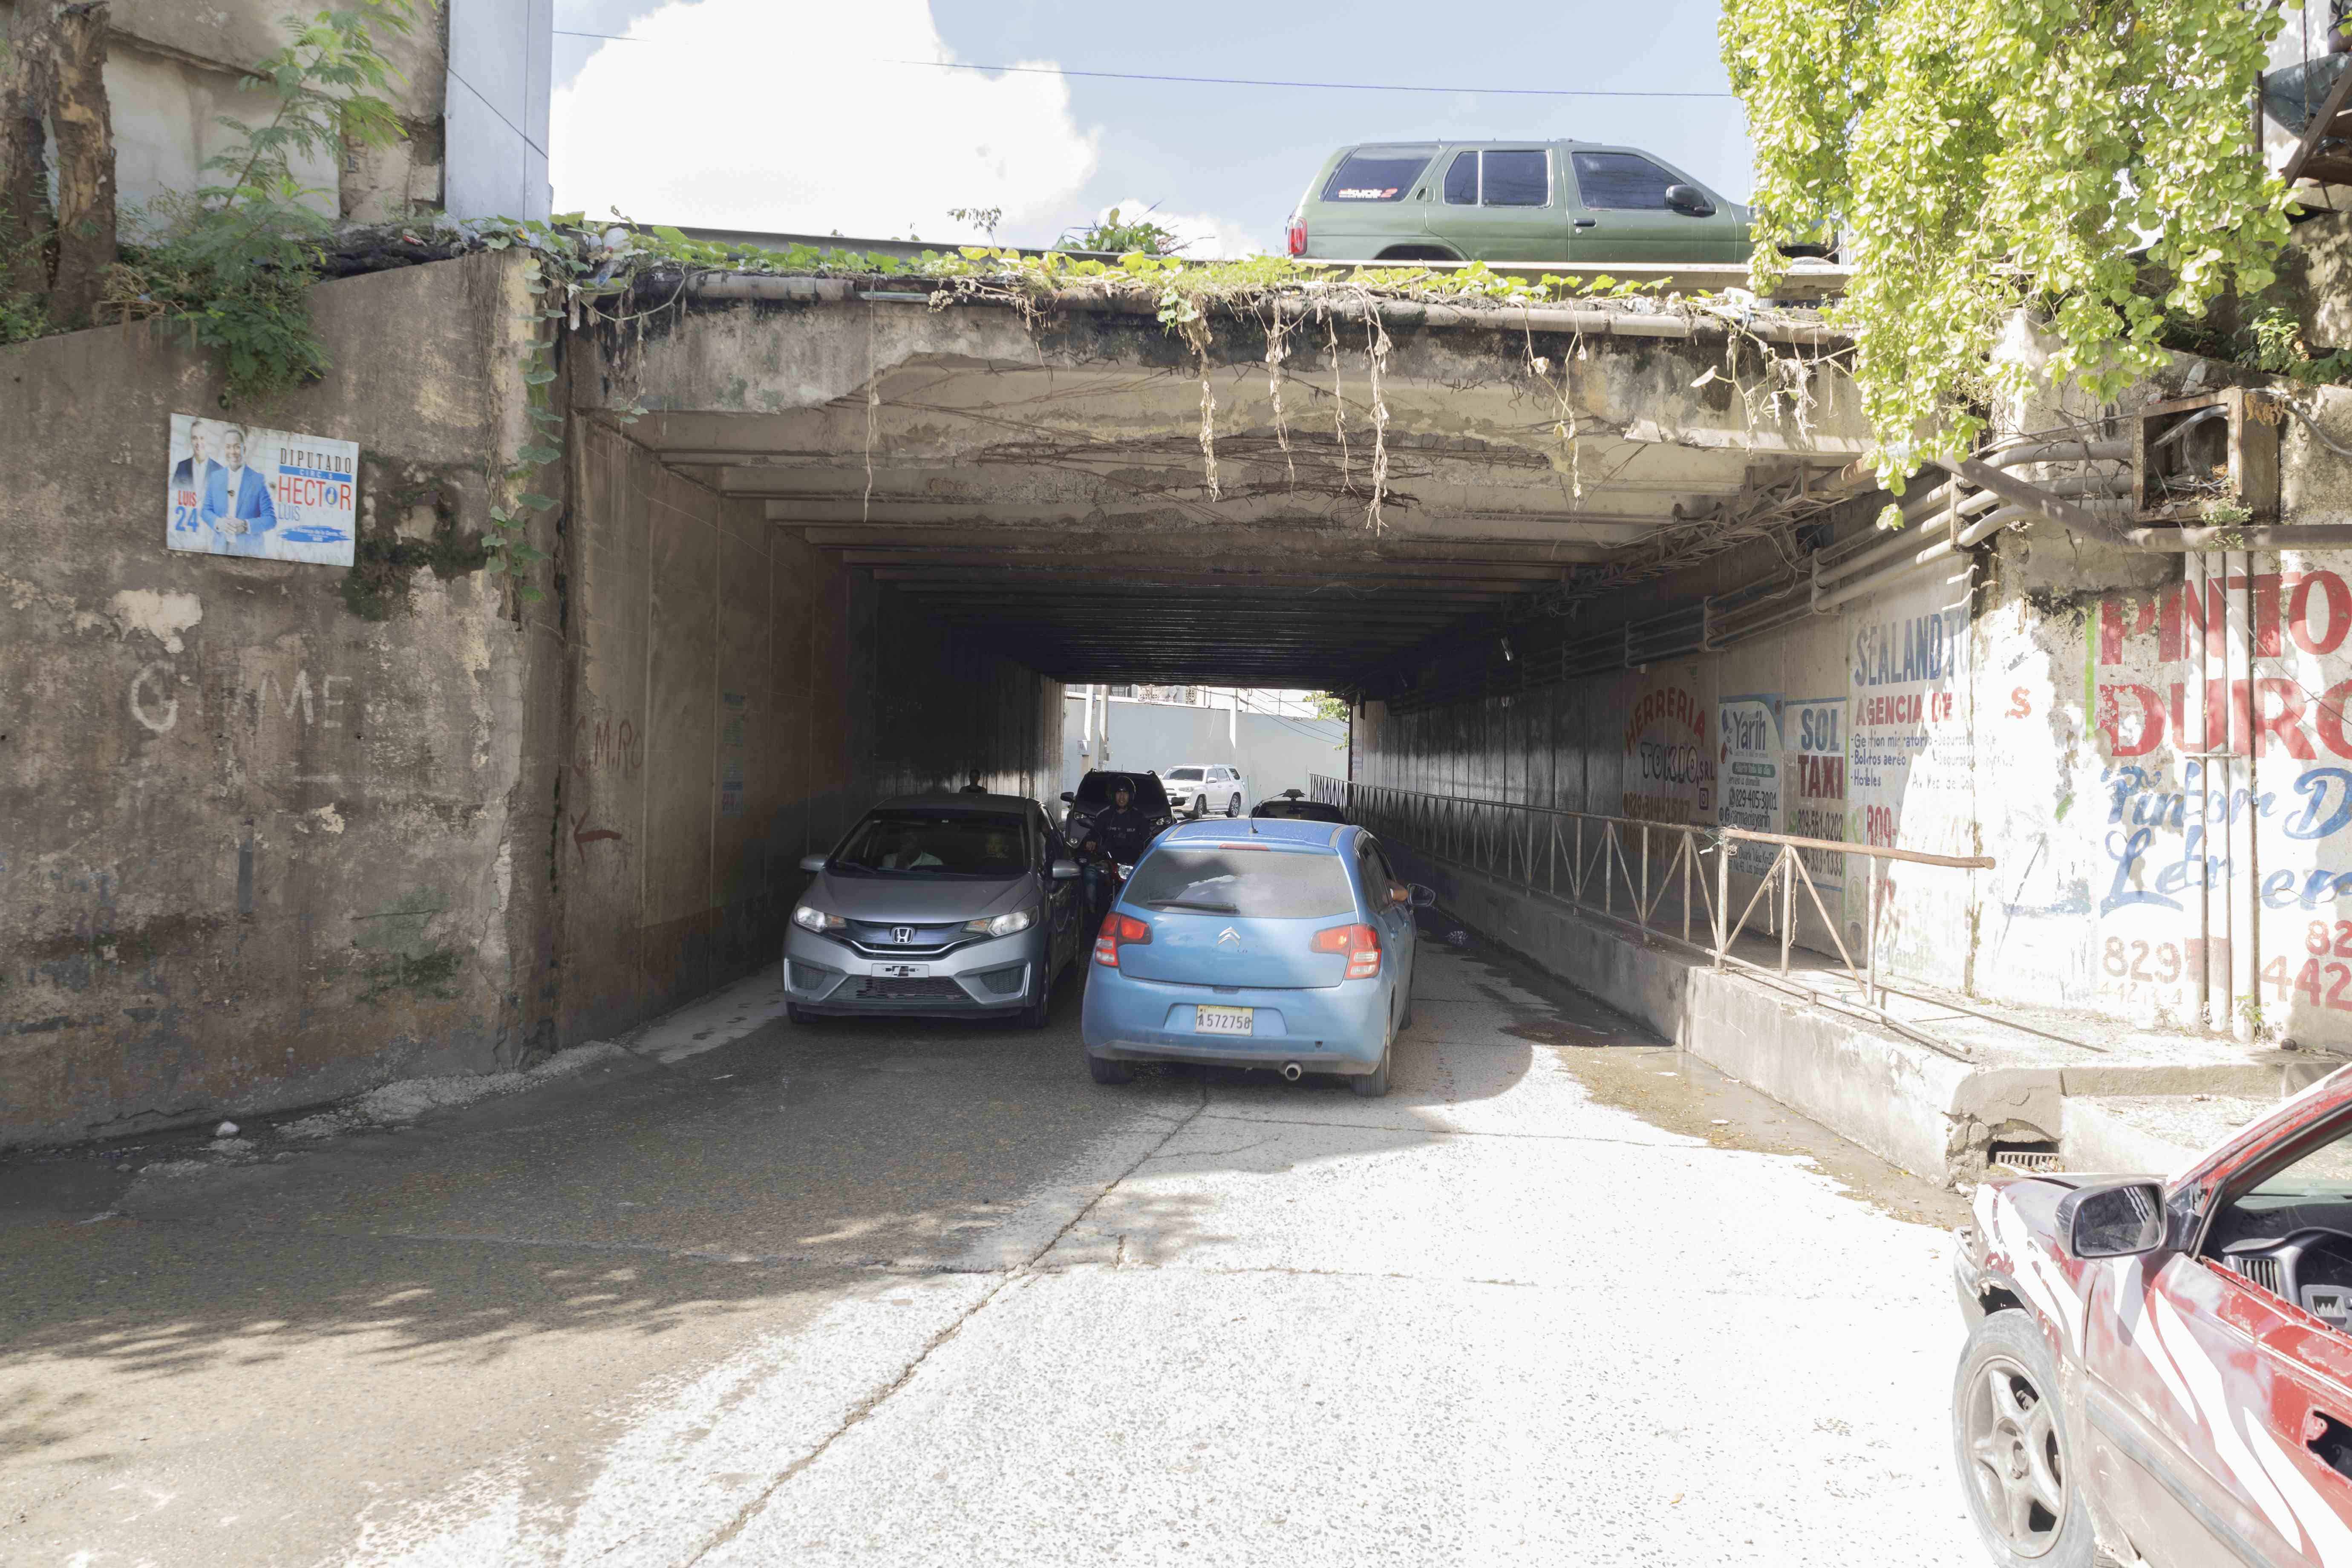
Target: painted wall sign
2220 717
1911 773
1747 732
1911 751
272 495
1815 732
1669 766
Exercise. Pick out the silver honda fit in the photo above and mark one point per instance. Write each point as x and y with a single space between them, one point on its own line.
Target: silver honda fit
936 904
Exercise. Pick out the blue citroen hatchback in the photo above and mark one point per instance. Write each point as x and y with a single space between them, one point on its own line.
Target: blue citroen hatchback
1262 944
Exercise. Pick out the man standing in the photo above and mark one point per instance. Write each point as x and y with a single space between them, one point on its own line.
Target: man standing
975 788
237 506
192 476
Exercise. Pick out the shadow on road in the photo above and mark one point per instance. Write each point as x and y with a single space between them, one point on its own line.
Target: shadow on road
367 1295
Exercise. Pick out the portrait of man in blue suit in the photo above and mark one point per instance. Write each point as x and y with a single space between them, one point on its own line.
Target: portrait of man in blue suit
191 476
237 504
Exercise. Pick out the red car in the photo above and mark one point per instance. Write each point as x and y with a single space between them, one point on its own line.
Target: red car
2161 1373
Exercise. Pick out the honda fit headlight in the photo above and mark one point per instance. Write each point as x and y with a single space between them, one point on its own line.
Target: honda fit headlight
1003 925
810 917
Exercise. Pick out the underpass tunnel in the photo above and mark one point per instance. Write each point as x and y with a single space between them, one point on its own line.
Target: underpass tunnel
825 547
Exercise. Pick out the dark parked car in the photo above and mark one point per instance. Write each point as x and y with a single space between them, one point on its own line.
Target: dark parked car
1293 804
2163 1368
1574 202
948 903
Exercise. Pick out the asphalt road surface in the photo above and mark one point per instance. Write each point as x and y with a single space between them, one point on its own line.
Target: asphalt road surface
883 1293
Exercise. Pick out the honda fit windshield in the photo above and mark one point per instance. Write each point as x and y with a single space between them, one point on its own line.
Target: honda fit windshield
1267 884
932 844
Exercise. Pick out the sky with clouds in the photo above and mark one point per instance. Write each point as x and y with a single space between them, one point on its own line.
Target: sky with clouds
793 117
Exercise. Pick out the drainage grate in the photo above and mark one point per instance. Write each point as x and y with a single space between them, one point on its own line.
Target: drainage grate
2025 1160
878 988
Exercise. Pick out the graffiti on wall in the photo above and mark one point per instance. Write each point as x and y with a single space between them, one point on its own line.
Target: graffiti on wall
1748 755
156 692
1669 766
734 729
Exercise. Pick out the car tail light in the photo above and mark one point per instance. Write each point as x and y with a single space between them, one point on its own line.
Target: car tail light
1298 237
1360 944
1119 930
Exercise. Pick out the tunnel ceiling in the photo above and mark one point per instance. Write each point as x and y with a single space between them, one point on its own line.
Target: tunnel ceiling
1053 490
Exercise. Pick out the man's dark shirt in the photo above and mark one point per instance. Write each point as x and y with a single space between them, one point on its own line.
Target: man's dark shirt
1123 834
975 789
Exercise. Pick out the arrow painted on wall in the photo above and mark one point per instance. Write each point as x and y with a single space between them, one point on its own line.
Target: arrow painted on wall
584 836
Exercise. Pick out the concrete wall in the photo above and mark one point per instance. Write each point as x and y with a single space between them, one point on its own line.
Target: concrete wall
254 848
706 657
1274 753
939 705
269 832
2044 707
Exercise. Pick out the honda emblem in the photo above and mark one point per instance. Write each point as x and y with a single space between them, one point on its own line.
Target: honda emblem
903 935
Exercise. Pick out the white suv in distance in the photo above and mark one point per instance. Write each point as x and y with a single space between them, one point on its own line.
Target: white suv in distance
1199 789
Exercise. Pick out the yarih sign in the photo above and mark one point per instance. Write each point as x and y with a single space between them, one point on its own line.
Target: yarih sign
272 495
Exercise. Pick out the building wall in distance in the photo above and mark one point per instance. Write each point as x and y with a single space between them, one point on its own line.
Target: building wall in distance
477 142
1274 753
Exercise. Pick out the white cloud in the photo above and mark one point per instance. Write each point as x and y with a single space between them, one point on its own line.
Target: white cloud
750 114
1210 238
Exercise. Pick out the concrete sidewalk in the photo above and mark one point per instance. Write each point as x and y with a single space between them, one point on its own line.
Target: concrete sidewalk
2005 1080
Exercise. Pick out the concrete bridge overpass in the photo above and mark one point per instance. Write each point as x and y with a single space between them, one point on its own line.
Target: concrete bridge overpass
813 540
1323 482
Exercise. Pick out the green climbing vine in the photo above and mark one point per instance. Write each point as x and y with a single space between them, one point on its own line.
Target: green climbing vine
1980 156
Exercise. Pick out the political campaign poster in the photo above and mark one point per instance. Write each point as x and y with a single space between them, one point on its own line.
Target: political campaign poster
270 495
1748 736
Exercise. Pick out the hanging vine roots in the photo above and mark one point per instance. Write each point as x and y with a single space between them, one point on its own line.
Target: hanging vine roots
1376 354
1277 349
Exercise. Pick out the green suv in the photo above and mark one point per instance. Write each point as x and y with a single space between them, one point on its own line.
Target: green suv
1568 202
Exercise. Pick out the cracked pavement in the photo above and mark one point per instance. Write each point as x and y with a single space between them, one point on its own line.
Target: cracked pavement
890 1292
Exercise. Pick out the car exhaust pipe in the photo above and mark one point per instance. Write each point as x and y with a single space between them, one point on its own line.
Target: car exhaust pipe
1292 1072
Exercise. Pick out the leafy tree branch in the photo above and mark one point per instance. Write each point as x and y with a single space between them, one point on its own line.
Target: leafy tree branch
1980 156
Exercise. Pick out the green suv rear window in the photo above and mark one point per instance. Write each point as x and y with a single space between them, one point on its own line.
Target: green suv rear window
1377 174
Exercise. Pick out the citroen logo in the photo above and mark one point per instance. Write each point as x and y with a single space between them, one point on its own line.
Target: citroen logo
1229 937
903 935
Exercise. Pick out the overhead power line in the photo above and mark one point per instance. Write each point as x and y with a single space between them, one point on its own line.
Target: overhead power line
1251 81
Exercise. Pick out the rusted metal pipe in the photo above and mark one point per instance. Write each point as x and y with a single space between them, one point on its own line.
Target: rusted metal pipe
2290 536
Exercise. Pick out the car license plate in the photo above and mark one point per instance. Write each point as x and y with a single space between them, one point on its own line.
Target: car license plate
1223 1020
902 971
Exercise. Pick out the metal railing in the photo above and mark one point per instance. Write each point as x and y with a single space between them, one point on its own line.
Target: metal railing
1633 872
